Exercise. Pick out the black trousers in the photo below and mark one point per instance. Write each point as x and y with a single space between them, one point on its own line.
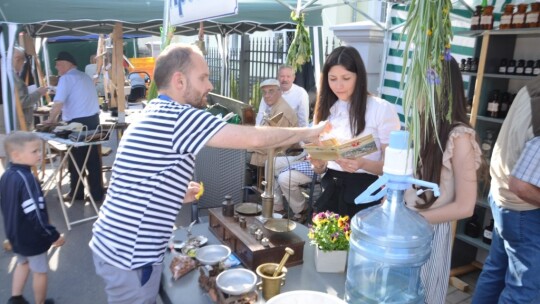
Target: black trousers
93 166
340 189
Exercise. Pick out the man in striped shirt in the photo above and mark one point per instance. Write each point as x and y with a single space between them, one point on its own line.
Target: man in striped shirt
152 173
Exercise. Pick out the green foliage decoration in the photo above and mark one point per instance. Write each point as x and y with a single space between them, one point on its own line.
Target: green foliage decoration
429 31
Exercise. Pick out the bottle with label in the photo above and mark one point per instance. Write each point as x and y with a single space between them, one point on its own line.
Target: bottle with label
486 21
462 64
506 17
474 65
475 19
518 19
520 68
472 227
487 145
529 68
493 104
532 19
502 66
468 65
488 233
511 69
536 70
505 105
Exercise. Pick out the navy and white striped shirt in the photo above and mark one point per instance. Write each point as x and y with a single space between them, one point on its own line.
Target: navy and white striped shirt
154 164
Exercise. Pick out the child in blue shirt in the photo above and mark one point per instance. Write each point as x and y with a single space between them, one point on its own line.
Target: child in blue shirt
25 215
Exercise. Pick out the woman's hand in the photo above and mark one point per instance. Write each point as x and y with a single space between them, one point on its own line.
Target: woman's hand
193 189
350 164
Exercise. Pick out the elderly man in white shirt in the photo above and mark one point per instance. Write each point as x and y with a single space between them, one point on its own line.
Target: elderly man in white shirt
76 99
295 96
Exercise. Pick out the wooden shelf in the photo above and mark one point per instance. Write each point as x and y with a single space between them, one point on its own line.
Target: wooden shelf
521 32
490 119
476 242
509 76
501 76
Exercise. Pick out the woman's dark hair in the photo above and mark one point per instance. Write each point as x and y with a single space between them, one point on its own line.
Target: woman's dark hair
453 102
350 59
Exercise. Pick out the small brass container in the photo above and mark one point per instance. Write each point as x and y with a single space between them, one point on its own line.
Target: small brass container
271 286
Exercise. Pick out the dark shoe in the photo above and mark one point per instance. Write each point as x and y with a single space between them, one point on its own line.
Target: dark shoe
300 217
69 197
49 301
17 300
283 213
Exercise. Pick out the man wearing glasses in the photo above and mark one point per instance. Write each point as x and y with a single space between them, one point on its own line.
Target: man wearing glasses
274 105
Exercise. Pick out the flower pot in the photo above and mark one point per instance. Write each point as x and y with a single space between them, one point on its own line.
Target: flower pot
330 261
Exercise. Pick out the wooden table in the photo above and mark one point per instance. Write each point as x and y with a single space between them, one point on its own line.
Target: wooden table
301 277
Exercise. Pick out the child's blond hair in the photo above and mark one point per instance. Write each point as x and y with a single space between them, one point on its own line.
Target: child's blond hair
15 141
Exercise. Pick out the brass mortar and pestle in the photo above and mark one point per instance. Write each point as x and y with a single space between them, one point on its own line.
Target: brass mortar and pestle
273 275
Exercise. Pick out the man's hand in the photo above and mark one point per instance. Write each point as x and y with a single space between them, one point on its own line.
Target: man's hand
317 130
193 189
42 90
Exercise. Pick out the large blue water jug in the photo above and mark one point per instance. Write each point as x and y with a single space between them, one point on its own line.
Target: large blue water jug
389 242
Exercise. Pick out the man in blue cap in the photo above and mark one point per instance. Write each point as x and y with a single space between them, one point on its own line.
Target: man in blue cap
77 100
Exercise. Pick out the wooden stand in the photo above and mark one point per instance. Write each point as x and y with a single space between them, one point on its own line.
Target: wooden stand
249 250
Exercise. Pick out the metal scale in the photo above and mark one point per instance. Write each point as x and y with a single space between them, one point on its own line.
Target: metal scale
259 239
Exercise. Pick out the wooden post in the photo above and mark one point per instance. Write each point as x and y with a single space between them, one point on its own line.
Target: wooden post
118 99
101 61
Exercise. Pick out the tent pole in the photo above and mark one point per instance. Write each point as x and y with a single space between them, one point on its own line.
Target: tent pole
386 46
243 83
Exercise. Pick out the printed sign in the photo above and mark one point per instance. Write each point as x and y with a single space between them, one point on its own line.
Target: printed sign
189 11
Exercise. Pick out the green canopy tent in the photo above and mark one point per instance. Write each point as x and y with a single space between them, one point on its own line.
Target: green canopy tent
82 17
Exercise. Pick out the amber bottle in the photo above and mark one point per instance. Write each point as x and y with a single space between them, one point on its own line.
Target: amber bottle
518 19
475 19
486 21
532 19
506 17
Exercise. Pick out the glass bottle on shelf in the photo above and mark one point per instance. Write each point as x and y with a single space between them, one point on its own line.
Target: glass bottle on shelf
487 144
502 66
472 228
475 19
474 65
511 69
462 64
536 70
506 17
488 232
532 19
468 65
518 19
486 21
520 68
529 68
493 104
504 105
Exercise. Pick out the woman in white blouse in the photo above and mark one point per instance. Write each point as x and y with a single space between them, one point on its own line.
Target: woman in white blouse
345 102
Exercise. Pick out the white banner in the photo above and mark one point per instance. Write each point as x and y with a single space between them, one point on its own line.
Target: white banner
189 11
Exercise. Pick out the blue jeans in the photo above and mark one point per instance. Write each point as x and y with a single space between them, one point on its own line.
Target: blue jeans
511 273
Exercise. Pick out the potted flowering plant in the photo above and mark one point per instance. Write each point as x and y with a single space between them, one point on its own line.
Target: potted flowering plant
330 234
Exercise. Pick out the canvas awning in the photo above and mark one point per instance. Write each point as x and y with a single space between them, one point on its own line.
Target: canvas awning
82 17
